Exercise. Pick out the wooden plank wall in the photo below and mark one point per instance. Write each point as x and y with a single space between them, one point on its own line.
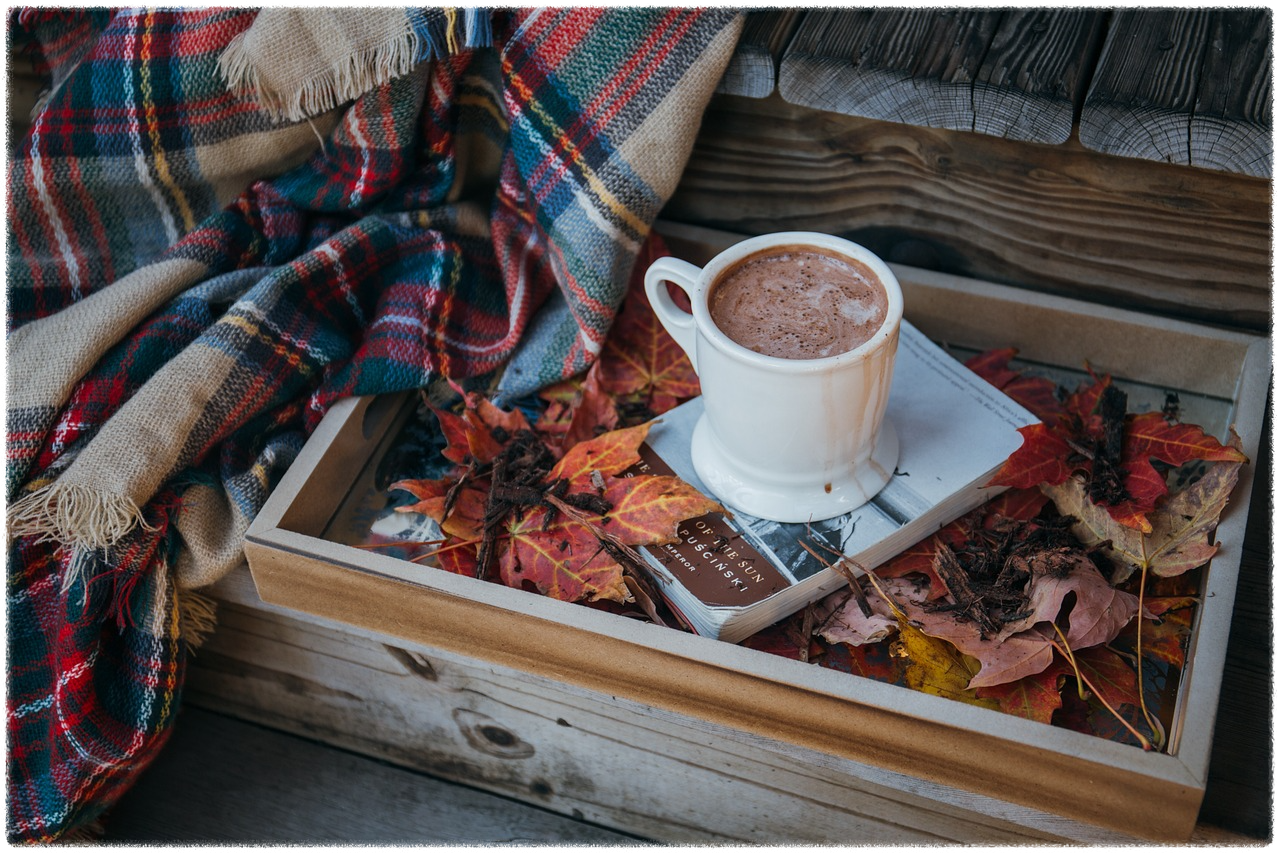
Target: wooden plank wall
1185 86
1188 243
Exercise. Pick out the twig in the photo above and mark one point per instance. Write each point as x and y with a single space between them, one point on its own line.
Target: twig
954 578
632 562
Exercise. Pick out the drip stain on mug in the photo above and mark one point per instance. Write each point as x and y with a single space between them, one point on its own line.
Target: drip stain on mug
799 303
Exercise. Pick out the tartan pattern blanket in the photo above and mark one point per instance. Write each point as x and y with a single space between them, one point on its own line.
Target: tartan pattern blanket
192 283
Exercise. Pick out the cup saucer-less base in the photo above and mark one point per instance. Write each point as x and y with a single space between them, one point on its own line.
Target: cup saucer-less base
795 499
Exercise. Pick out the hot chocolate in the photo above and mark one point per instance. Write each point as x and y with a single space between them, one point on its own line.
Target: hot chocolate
795 302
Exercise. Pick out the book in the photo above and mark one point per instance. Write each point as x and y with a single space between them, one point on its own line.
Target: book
730 575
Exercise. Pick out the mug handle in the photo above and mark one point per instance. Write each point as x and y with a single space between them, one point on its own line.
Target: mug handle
678 324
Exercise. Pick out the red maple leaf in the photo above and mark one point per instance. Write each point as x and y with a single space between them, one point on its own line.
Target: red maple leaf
1044 457
1034 393
1114 680
554 525
1033 697
1061 445
639 357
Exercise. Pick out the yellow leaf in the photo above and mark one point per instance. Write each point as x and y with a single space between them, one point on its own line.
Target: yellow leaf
936 667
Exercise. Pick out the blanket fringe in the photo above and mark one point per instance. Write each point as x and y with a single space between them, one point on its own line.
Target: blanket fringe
197 617
347 80
76 515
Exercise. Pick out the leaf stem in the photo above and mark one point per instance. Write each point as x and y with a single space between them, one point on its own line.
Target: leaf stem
1146 744
1142 687
400 543
437 551
1071 659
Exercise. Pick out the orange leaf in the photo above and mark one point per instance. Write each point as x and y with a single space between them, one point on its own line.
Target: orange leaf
1083 402
464 520
993 366
1149 435
647 509
1017 504
611 453
593 411
1166 639
456 431
491 416
918 559
1157 607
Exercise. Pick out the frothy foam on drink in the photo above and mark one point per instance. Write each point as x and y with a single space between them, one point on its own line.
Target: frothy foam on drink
798 303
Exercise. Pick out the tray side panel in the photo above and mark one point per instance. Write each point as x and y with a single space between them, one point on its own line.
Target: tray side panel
1107 796
597 757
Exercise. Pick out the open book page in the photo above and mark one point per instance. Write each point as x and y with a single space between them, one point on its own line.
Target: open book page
954 430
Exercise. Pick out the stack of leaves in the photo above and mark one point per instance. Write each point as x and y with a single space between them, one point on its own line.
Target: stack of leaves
1016 591
555 509
642 372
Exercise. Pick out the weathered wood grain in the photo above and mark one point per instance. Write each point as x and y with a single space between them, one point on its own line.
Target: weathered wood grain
1231 126
1144 88
1034 74
1194 244
753 68
611 761
221 780
907 65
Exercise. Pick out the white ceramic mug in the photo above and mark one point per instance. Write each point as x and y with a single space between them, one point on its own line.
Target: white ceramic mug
785 439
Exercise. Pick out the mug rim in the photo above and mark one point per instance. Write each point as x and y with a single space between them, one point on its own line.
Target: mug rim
826 242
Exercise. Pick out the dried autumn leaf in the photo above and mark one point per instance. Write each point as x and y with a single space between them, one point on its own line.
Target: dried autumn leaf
1033 697
1094 611
565 562
871 661
1154 608
1166 639
1181 527
456 433
610 454
1042 458
1003 661
850 626
466 515
993 366
593 413
918 559
998 662
640 357
460 559
647 510
937 667
1115 681
1036 394
1150 435
1017 504
1084 401
577 410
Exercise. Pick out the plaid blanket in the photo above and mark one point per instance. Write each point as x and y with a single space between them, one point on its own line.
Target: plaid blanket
192 283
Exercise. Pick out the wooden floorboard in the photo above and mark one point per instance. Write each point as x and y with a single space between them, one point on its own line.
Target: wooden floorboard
221 780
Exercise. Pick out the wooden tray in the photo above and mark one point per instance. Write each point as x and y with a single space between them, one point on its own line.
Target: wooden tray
935 756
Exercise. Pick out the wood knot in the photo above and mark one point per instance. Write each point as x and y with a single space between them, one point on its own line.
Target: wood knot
489 736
